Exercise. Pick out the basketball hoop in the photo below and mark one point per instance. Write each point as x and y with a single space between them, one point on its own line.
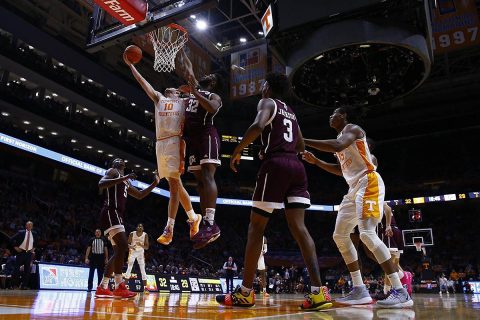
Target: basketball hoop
167 41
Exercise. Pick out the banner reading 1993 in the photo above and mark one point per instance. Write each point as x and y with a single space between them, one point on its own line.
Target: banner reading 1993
248 72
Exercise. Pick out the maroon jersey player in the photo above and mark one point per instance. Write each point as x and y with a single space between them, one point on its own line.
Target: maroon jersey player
117 187
281 184
203 144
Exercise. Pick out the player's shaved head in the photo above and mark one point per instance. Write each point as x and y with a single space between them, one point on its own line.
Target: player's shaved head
277 84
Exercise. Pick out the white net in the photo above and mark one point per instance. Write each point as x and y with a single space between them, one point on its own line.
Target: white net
167 41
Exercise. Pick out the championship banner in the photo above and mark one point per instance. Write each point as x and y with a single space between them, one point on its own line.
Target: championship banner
248 70
455 25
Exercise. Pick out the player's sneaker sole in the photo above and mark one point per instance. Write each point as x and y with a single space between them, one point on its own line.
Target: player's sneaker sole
201 244
322 306
406 304
165 243
366 300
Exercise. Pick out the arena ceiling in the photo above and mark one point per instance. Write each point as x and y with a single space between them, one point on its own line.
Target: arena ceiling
451 90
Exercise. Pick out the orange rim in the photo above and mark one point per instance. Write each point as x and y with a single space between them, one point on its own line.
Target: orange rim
178 27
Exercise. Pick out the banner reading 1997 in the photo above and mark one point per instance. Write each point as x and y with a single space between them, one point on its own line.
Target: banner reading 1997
248 72
455 25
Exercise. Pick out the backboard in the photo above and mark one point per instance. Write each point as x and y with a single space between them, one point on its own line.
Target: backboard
418 235
105 31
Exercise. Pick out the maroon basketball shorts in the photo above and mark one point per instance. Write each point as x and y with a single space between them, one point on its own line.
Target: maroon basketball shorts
281 183
111 218
395 242
203 146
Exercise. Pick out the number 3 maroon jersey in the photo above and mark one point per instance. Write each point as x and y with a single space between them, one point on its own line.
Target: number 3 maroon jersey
112 214
280 134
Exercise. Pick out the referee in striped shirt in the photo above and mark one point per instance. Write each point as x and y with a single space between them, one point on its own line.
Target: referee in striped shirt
98 258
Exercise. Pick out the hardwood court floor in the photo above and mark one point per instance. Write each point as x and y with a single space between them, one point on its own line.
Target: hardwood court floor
19 305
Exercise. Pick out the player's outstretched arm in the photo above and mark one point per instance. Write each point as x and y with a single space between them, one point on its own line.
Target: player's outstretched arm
137 194
329 167
350 134
110 179
210 105
265 110
146 86
186 67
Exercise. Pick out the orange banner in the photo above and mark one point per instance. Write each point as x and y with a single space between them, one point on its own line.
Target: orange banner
455 25
248 69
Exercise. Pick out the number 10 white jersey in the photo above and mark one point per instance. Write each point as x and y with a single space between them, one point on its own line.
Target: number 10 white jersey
169 117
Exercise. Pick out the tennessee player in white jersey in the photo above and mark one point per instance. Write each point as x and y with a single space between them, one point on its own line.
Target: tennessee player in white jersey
362 206
170 151
137 244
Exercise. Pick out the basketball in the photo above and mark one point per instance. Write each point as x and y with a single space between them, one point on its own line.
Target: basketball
133 53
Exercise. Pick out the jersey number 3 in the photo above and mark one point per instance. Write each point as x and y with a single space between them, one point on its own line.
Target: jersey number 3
288 136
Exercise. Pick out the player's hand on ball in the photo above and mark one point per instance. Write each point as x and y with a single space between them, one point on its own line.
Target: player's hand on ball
234 161
309 157
126 60
184 88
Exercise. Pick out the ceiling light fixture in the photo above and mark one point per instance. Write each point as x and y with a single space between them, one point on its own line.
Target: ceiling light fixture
201 25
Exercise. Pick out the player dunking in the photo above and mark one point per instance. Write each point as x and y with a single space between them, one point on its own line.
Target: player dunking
169 119
362 206
137 244
281 183
203 144
117 187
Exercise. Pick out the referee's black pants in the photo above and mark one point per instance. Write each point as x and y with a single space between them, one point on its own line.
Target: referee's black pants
97 261
229 281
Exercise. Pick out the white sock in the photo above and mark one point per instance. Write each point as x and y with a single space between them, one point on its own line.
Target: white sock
118 280
386 288
357 278
210 215
105 281
170 222
264 290
191 215
395 280
314 289
401 274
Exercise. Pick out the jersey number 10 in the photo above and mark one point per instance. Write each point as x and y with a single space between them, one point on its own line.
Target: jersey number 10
168 106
